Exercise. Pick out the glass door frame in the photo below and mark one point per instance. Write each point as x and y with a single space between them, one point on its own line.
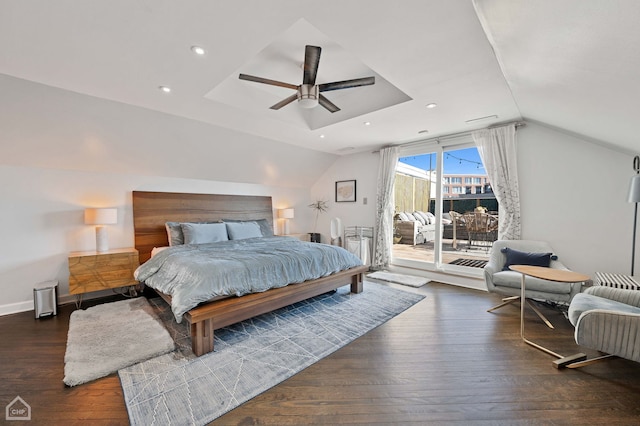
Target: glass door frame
438 147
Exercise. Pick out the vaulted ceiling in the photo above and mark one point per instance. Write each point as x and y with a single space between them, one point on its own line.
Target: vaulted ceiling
570 64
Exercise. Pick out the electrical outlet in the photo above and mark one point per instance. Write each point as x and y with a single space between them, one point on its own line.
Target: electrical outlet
364 201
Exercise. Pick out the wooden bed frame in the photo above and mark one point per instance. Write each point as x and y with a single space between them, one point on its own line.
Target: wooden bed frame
152 209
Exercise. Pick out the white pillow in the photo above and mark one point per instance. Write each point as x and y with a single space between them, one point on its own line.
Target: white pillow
403 217
243 230
203 233
420 218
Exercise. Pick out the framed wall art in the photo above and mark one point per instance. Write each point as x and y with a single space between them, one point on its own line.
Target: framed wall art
346 191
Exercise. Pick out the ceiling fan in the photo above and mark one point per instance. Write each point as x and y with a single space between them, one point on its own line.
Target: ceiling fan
308 93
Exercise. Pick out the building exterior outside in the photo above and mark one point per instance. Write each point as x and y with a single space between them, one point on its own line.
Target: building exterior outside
456 185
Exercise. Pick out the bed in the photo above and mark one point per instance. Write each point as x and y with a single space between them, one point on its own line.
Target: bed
151 211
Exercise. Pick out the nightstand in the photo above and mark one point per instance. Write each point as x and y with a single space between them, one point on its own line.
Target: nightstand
95 271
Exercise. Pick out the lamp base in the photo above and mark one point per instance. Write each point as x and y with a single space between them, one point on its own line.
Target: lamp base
102 240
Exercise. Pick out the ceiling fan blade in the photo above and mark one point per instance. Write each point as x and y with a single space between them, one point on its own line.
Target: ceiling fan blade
285 102
337 85
311 63
330 106
267 81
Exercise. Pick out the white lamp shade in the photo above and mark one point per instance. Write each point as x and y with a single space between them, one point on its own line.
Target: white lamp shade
634 190
285 213
100 216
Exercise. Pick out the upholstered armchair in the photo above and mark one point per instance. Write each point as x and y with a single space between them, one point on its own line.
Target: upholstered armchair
607 319
501 280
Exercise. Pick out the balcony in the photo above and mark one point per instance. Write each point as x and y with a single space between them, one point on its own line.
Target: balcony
474 256
465 242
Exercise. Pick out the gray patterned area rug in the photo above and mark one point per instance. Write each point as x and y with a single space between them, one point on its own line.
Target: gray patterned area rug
252 356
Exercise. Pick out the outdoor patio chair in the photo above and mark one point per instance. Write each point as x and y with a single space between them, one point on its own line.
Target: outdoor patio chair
457 222
501 280
481 227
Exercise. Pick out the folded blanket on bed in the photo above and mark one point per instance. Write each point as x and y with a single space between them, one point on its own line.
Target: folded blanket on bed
192 274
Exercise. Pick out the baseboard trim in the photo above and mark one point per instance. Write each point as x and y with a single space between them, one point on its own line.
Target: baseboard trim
15 308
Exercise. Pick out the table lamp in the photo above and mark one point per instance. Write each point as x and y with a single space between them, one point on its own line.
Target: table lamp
101 217
285 214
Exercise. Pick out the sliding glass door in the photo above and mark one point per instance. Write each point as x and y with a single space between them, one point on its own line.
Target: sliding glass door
446 214
414 219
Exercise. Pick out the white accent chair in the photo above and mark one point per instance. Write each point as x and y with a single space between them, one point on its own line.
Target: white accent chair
507 283
607 319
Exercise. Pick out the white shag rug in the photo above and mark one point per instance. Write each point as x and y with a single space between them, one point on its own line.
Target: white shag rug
410 280
105 338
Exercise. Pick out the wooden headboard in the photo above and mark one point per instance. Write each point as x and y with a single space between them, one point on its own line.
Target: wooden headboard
152 209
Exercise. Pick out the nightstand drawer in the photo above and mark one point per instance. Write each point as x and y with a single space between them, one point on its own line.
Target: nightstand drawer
93 271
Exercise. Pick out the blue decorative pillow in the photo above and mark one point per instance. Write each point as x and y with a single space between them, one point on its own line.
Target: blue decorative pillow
243 230
204 233
515 257
265 228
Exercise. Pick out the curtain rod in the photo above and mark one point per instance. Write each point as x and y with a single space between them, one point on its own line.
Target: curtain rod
455 135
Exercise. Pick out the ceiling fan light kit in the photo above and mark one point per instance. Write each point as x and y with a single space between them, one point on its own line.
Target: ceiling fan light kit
308 96
308 93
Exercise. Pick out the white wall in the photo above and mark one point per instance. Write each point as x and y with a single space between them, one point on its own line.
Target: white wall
363 168
43 216
574 195
42 126
61 152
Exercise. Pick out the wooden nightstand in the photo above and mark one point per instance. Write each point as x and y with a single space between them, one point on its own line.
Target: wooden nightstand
94 271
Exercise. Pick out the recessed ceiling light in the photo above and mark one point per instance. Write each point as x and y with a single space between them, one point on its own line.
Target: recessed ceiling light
198 50
367 123
423 131
165 89
431 105
321 136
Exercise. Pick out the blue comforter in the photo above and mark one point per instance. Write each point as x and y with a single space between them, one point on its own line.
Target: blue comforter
192 274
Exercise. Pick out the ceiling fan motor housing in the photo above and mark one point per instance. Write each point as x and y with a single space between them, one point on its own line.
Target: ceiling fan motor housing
308 95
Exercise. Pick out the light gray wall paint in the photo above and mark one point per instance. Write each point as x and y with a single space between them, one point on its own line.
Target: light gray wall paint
363 168
47 127
61 152
574 195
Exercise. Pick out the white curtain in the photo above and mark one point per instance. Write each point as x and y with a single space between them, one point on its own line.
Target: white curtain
385 208
497 148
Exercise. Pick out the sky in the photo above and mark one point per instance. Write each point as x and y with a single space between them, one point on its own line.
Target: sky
461 161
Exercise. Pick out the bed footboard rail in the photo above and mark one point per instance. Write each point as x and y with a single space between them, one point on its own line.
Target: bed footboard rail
206 318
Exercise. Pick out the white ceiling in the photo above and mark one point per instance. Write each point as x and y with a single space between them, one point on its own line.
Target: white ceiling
570 64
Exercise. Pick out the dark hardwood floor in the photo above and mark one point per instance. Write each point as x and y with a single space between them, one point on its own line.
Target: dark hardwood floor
443 361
